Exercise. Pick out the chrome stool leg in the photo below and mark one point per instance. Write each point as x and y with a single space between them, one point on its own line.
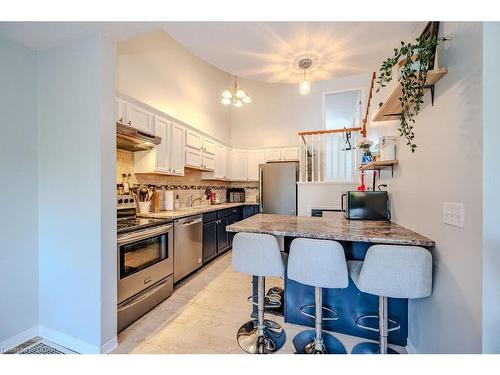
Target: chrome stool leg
383 329
315 341
261 336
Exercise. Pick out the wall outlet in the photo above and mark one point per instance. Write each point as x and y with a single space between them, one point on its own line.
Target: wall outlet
453 214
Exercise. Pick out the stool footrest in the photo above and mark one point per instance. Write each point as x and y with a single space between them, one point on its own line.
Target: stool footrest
272 301
358 322
335 315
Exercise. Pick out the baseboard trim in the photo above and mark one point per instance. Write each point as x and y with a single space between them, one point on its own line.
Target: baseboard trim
18 339
67 341
58 338
410 349
109 346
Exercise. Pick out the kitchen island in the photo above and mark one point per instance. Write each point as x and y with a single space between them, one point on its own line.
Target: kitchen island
356 236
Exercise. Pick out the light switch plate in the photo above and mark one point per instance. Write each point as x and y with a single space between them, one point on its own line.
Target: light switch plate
453 214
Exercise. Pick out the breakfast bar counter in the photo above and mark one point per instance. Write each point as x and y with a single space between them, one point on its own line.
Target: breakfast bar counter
355 236
333 227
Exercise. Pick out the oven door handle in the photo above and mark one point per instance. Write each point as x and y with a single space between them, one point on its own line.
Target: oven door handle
143 296
143 234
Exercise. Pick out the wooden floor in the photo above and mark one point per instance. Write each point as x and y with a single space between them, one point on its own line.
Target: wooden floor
203 316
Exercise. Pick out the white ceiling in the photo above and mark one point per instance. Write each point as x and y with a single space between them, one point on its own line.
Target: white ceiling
269 51
40 36
265 51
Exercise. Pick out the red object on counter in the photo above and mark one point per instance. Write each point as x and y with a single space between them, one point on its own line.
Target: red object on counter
362 187
213 197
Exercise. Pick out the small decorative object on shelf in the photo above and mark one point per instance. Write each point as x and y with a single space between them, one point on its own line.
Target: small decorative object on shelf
364 144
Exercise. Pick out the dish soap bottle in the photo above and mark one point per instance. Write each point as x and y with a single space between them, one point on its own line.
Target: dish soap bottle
177 203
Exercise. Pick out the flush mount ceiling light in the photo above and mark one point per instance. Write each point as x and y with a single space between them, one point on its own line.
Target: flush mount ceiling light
235 95
305 84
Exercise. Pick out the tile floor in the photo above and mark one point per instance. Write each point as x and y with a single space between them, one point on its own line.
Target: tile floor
203 316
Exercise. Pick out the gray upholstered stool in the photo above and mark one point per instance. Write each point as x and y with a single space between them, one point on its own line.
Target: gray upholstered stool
259 255
320 264
390 271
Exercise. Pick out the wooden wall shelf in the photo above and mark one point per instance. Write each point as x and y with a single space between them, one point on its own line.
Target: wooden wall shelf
377 165
391 109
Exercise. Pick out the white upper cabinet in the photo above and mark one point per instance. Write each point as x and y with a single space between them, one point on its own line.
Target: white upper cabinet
208 146
120 111
193 158
227 152
239 165
139 118
221 162
255 157
194 140
162 129
177 141
208 162
200 151
290 154
273 155
168 156
282 154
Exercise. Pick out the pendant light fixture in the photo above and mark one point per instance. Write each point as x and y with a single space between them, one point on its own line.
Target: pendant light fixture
235 95
305 84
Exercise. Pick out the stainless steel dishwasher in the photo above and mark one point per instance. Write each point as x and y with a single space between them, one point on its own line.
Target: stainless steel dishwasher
187 245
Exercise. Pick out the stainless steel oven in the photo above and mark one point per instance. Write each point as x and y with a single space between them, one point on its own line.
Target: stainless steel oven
145 270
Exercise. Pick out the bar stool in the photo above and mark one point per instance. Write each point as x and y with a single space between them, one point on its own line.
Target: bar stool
259 255
321 264
390 271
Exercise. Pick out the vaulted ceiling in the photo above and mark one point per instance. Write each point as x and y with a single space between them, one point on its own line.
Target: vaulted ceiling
265 51
270 51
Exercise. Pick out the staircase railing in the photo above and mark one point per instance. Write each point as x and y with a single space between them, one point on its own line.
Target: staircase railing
331 155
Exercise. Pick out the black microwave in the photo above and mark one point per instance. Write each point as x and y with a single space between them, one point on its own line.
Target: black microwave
366 205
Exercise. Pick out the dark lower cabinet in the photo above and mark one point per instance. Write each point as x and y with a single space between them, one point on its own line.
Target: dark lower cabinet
222 235
250 210
209 240
216 239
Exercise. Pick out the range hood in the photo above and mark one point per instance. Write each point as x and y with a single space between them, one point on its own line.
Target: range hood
130 139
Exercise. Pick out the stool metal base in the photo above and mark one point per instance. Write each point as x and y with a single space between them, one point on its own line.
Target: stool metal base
370 348
303 343
250 341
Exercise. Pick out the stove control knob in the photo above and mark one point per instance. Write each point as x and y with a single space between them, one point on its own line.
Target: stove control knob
120 201
131 200
126 200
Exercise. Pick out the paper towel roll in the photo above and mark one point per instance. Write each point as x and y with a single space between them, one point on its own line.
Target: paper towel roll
169 200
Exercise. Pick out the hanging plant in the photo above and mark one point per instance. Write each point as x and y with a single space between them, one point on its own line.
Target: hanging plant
418 60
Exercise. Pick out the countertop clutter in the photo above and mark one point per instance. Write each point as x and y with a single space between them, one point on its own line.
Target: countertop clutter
333 227
195 210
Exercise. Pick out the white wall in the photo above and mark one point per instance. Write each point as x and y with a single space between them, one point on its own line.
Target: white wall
320 195
447 167
18 198
278 112
491 187
158 71
77 226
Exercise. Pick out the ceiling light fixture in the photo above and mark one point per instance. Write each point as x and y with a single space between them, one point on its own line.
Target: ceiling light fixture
305 84
235 95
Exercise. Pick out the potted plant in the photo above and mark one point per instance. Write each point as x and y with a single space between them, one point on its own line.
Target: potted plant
364 144
415 60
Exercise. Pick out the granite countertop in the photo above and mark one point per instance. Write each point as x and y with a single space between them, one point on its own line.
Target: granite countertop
333 227
189 211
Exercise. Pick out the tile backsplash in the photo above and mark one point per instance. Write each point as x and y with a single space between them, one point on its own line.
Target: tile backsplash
183 186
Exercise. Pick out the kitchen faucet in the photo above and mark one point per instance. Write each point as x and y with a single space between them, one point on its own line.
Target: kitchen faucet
191 200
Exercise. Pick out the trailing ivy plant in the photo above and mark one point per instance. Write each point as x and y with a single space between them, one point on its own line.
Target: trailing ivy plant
418 58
